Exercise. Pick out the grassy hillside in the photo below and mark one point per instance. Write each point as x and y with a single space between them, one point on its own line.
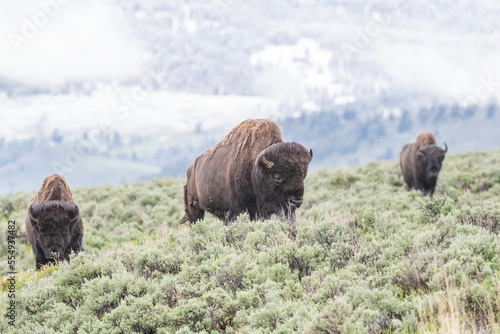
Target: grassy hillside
365 255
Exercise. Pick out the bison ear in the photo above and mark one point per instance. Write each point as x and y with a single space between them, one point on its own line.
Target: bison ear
311 151
75 213
264 162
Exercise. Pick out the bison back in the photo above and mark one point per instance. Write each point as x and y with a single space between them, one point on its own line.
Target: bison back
406 161
425 139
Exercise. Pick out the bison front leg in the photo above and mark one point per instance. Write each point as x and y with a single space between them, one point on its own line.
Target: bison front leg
75 246
429 192
230 217
192 208
40 259
195 212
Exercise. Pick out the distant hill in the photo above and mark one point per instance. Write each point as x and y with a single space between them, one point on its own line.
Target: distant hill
341 137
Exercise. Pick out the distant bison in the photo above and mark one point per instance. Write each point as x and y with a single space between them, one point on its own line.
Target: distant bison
53 222
252 170
421 161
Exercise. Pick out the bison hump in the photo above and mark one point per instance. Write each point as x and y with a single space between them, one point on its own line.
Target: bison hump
248 134
55 188
425 139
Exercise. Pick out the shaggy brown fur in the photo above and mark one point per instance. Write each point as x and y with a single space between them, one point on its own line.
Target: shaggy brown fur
251 170
421 162
425 138
53 222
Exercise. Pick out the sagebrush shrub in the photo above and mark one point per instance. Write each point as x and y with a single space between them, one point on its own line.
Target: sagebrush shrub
364 255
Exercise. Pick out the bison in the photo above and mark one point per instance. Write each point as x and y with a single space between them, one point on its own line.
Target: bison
252 170
421 161
53 222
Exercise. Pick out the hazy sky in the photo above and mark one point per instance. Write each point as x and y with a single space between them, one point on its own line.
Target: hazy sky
77 41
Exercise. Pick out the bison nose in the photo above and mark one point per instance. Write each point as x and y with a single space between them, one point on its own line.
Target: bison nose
295 201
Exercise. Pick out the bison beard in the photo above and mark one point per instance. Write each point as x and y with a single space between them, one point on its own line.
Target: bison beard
421 162
252 170
53 222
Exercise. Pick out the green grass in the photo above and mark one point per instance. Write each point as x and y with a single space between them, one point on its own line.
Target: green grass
365 256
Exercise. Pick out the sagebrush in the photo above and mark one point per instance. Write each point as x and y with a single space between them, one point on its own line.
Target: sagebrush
365 255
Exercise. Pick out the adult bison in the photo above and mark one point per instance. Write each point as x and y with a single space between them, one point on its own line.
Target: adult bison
251 170
53 222
421 161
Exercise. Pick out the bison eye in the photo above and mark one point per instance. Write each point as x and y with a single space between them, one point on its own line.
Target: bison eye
278 178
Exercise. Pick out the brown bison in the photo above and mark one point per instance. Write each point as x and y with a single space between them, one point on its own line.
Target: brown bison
421 161
53 222
251 170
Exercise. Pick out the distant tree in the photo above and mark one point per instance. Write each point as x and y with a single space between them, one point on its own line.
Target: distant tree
197 128
469 112
387 155
349 115
440 114
117 140
363 132
490 113
463 113
56 137
423 116
381 132
406 123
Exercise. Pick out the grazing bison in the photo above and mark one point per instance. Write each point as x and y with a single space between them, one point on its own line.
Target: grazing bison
421 161
53 222
251 170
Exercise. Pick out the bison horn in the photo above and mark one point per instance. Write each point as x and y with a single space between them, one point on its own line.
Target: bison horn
75 212
445 148
311 151
266 163
30 213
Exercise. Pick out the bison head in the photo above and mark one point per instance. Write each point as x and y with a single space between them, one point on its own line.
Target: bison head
278 178
53 223
431 158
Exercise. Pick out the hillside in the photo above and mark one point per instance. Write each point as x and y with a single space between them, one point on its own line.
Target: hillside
365 255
